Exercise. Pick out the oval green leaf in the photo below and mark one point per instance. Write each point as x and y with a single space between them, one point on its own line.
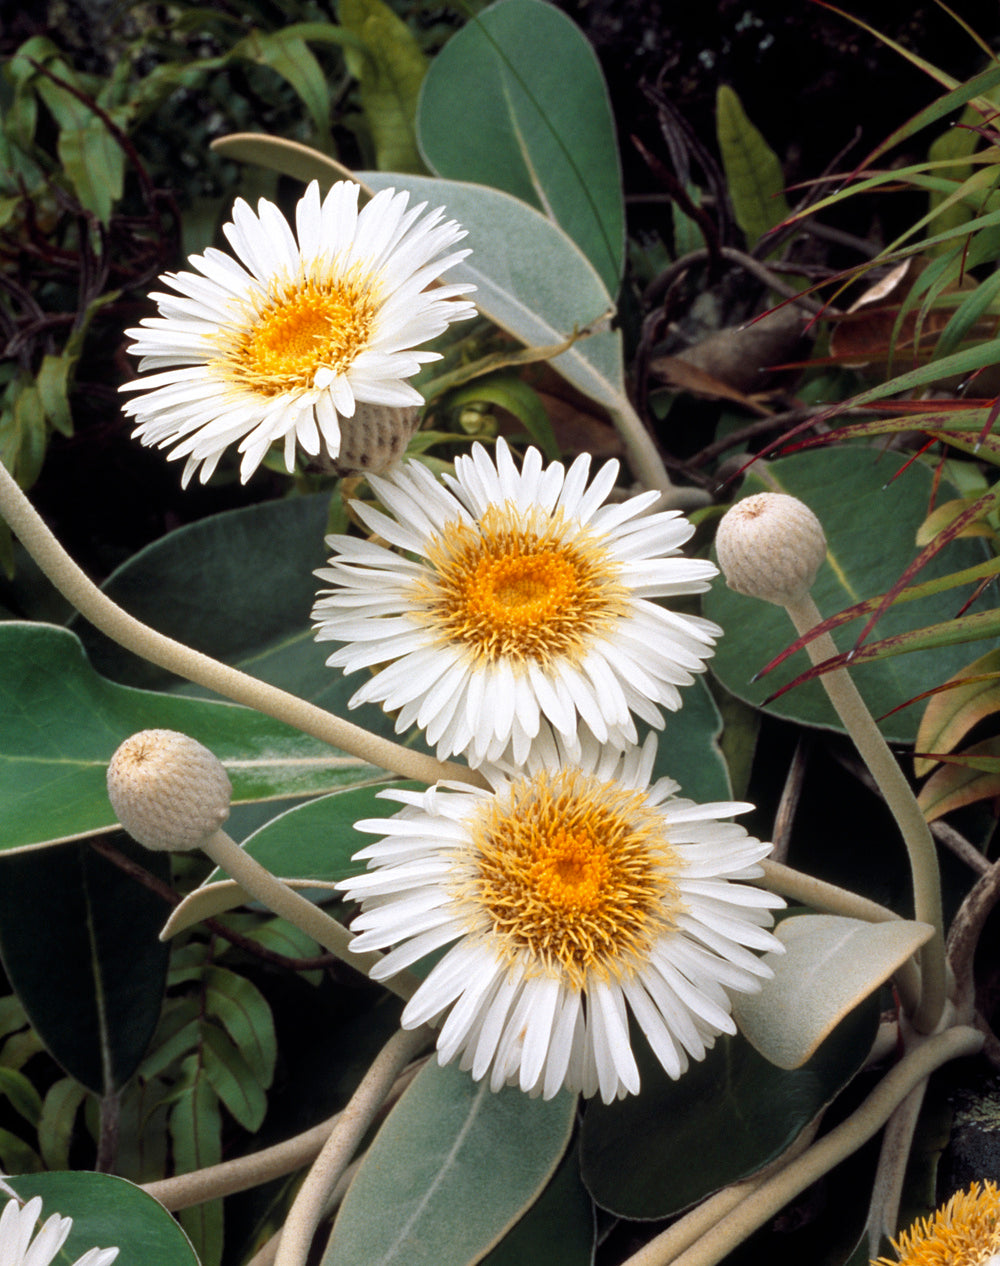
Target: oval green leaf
544 129
109 1212
60 724
450 1172
79 944
830 964
870 519
676 1142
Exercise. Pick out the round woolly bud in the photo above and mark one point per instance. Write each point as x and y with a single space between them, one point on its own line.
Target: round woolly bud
167 790
375 438
770 546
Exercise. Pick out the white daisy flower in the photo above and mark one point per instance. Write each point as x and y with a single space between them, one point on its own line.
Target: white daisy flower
570 895
283 341
529 605
16 1249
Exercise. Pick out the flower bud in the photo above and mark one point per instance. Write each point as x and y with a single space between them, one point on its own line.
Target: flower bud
770 546
375 437
167 790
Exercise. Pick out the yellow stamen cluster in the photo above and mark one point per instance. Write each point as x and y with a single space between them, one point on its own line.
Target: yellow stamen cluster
302 326
964 1232
575 871
519 586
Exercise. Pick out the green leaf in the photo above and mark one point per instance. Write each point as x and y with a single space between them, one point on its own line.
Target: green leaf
419 1196
754 179
196 1134
243 1012
661 1151
558 1229
57 1126
53 388
517 397
870 520
544 129
230 1077
79 943
830 965
60 724
389 79
109 1212
17 1155
21 1095
287 53
532 280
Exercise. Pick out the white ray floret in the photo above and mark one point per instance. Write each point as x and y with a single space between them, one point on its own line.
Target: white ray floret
18 1248
528 610
569 895
280 343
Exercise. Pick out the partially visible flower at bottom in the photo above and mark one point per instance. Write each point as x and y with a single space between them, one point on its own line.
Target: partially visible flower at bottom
574 892
963 1232
16 1249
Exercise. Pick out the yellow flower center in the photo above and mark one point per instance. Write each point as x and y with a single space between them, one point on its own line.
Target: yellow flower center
520 585
574 871
964 1232
311 323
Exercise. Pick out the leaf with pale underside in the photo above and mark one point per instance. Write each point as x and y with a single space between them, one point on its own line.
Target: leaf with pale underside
830 964
971 696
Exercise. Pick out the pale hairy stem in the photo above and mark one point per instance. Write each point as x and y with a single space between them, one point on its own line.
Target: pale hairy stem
687 1230
265 1256
963 937
819 895
306 1213
887 1190
96 607
258 881
774 1193
898 794
647 465
215 1181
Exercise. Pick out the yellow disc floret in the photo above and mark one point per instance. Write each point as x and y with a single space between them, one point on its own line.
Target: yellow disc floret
300 327
575 872
963 1232
519 585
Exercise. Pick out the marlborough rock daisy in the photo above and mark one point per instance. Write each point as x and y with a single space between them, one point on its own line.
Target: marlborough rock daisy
528 605
571 894
283 341
963 1232
17 1248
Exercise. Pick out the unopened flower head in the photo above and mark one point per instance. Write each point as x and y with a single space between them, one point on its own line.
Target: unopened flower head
963 1232
569 894
770 546
529 607
168 790
17 1224
284 340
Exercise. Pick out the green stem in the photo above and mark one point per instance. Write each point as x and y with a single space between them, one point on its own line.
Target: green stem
175 657
258 881
889 778
773 1194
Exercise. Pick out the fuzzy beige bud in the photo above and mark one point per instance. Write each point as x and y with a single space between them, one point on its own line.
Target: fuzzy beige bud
375 437
167 790
770 546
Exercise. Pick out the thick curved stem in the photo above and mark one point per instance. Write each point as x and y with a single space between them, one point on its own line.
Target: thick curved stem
647 464
842 1141
307 1211
201 669
889 778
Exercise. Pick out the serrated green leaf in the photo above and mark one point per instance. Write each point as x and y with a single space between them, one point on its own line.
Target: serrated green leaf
21 1095
56 1128
17 1155
230 1077
53 389
243 1011
60 724
754 178
177 1046
419 1196
12 1015
108 1211
79 944
544 129
389 80
196 1136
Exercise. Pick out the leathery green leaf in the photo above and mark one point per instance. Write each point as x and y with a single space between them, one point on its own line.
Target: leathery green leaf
419 1195
830 964
754 178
